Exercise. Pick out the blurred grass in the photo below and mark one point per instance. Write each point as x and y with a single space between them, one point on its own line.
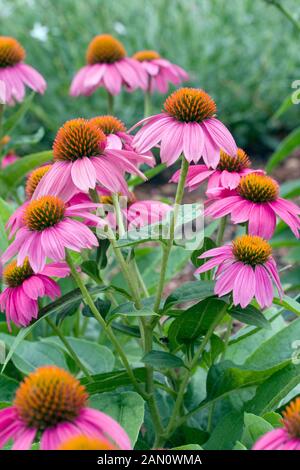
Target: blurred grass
243 52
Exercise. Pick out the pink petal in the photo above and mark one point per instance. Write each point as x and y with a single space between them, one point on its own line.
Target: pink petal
264 288
83 174
244 286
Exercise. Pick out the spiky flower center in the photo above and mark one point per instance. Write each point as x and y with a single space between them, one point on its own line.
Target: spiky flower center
34 178
44 212
291 418
104 48
14 275
250 249
108 124
141 56
82 442
258 188
11 51
239 162
76 139
49 396
190 105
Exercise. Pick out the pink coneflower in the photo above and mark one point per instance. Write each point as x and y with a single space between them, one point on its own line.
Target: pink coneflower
227 174
187 125
160 71
19 300
9 159
246 268
108 67
16 220
15 73
51 403
82 159
256 201
286 438
48 227
117 136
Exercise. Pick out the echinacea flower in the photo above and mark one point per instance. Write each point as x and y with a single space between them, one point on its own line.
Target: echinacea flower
187 125
82 159
15 74
256 200
117 136
51 403
160 71
226 175
49 226
16 219
9 159
287 437
108 67
19 300
246 268
82 442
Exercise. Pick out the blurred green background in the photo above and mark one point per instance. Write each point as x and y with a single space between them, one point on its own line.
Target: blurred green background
245 53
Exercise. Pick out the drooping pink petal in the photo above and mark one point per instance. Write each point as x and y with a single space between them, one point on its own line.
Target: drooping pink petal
225 281
220 135
264 291
262 220
244 286
83 174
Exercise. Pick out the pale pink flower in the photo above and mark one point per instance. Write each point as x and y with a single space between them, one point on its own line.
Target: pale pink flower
82 159
15 74
108 67
136 213
51 404
227 175
246 268
160 71
9 159
48 227
117 136
187 125
256 200
286 438
19 300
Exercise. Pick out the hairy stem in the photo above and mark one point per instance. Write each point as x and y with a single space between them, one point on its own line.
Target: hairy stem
167 248
106 328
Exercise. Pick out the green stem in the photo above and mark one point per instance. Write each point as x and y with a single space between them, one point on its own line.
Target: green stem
221 230
119 214
69 349
106 328
167 248
285 12
110 104
147 100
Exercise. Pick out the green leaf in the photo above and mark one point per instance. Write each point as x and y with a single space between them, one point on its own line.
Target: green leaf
250 316
29 355
227 432
255 427
162 360
10 123
276 350
196 321
290 189
112 380
194 290
225 377
96 358
8 388
6 211
239 446
289 303
127 408
270 393
290 143
90 268
275 419
12 174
